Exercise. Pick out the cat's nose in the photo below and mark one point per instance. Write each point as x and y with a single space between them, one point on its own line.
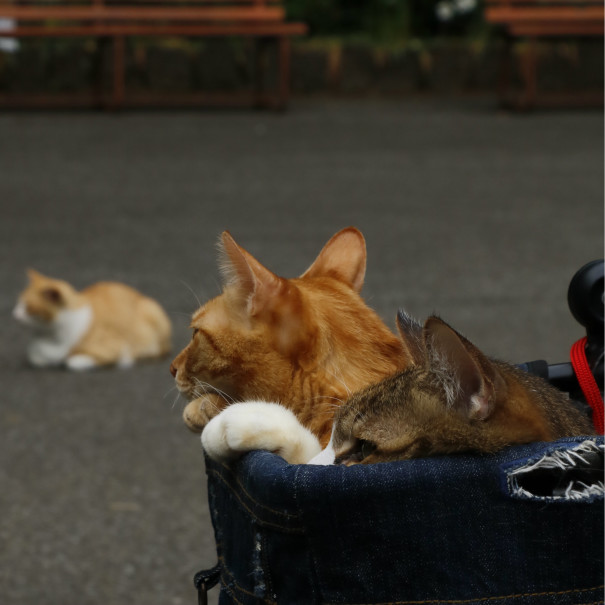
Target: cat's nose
173 369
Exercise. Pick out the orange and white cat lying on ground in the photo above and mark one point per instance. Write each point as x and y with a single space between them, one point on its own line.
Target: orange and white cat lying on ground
107 323
306 342
450 399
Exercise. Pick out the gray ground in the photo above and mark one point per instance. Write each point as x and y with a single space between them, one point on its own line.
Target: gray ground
478 215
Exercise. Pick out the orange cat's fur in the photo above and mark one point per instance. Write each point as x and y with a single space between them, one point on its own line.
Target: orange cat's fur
306 342
107 323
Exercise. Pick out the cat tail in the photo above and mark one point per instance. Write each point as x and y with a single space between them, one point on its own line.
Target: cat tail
257 425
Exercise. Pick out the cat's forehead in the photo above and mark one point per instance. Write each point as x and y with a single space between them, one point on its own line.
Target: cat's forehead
35 287
37 281
212 316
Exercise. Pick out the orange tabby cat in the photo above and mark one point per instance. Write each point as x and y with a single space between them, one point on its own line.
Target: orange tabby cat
306 342
107 323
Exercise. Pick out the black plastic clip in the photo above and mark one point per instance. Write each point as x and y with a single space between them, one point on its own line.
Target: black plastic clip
205 580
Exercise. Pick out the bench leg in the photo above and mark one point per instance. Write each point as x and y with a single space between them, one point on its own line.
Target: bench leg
528 68
279 97
119 50
260 70
103 49
283 81
504 75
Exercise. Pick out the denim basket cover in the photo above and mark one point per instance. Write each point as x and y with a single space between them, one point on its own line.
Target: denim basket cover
453 529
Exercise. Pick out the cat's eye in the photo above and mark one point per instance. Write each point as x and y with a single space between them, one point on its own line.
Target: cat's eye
195 331
358 453
366 448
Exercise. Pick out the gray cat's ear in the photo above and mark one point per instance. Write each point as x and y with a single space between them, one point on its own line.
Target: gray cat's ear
466 374
255 282
410 332
343 257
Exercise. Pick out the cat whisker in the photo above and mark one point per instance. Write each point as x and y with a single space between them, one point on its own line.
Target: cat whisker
209 402
172 388
195 296
219 285
178 395
340 401
328 410
341 381
208 388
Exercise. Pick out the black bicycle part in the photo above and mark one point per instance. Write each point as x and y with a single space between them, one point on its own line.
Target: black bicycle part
585 300
205 580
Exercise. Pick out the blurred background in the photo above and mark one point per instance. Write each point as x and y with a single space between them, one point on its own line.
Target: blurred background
479 213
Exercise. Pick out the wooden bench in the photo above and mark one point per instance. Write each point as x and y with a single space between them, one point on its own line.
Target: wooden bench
113 21
535 19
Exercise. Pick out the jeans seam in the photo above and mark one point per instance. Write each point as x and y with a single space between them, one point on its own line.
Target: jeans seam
261 522
481 599
234 586
259 504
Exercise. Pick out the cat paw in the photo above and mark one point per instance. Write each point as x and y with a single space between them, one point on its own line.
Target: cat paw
243 427
126 360
80 363
198 413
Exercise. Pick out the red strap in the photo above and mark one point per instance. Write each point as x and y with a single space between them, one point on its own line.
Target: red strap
587 382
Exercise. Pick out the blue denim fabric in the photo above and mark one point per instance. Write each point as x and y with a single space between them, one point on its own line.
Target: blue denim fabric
443 530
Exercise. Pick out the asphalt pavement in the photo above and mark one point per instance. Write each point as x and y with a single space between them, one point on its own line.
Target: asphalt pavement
476 214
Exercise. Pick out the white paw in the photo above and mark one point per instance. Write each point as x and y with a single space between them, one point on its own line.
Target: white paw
126 360
253 425
80 363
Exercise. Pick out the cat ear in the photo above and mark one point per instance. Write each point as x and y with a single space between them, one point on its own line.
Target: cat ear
410 332
256 283
53 295
469 378
33 275
343 257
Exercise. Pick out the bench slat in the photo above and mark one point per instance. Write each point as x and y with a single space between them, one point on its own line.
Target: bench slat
141 13
224 5
557 29
544 5
134 29
229 4
561 13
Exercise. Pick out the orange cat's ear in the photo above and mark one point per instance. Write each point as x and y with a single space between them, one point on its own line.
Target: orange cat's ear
53 295
343 257
469 378
255 282
33 275
411 336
